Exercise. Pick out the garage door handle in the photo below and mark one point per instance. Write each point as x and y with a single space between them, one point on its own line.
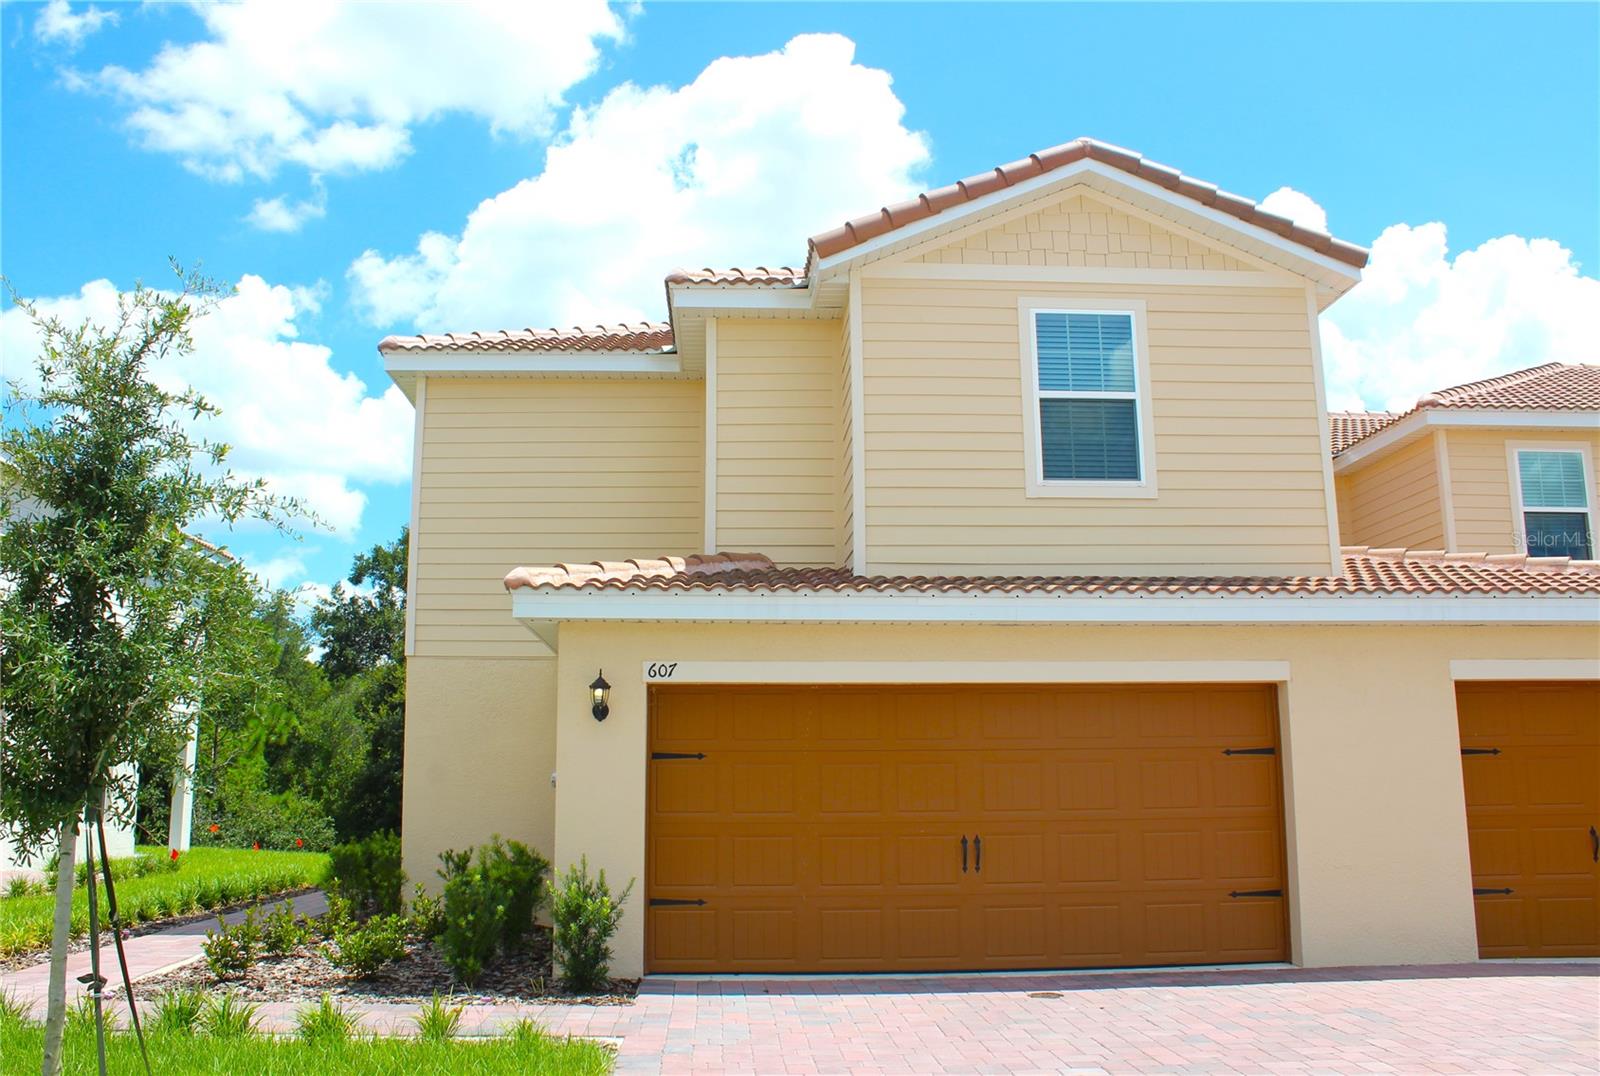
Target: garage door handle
977 854
1594 843
963 855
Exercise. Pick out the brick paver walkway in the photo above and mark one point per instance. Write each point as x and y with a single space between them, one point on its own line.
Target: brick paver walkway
1470 1018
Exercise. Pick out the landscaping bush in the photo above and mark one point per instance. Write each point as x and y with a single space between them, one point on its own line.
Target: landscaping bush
437 1020
245 815
177 1011
585 917
360 950
226 1016
427 916
326 1021
231 950
474 920
520 873
368 872
282 931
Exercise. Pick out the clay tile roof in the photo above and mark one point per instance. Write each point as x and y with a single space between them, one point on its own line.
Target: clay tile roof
783 276
1345 428
1366 571
1555 386
857 231
644 336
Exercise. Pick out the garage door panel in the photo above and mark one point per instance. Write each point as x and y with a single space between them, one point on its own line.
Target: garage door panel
1531 775
1112 827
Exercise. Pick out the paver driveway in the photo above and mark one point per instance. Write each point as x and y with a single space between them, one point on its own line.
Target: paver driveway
1483 1018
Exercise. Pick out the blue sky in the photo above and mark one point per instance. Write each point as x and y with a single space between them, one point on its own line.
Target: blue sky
1473 127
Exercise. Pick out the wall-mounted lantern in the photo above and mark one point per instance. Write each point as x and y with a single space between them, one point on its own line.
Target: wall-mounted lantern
601 692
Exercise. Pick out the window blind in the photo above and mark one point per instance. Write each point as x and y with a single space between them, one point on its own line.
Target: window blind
1552 480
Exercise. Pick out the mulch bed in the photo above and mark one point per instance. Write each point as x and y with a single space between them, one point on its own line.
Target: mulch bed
307 974
18 961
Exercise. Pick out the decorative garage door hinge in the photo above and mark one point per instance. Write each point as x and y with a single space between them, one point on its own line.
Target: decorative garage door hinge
674 902
1256 893
1249 750
1480 750
676 754
1490 892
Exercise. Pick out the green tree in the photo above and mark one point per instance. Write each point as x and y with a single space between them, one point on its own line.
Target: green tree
114 620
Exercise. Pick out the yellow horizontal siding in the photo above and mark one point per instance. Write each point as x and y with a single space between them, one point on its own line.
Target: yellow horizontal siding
521 472
1480 483
778 438
1238 442
1079 230
1394 500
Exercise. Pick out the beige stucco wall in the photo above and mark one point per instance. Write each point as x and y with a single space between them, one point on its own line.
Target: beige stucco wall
1393 500
1480 482
479 751
1238 438
778 438
1379 869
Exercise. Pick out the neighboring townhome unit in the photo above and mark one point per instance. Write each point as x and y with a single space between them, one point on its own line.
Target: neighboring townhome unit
1504 465
1044 652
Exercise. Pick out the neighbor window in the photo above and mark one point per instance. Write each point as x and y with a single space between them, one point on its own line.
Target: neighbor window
1556 516
1087 395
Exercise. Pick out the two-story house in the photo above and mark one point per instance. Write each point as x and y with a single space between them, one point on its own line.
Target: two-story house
1044 652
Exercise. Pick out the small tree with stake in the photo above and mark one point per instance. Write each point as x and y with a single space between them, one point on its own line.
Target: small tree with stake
112 618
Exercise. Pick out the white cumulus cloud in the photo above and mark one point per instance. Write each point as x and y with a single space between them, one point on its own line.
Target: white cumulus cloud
338 86
280 214
1298 207
311 431
1421 320
57 24
735 168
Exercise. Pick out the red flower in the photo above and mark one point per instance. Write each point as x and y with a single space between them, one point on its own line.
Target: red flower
298 843
174 853
256 846
214 827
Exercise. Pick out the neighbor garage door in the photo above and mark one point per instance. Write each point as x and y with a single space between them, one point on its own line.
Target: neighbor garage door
903 828
1530 759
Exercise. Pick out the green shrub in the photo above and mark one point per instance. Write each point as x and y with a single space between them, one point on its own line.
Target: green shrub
474 920
246 815
360 950
437 1020
585 916
20 885
427 916
225 1016
520 874
368 872
231 951
177 1012
14 1012
326 1021
282 931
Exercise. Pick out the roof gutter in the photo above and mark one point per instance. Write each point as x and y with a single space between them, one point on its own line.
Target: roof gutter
539 608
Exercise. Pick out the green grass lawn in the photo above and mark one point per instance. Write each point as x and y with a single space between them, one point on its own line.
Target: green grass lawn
524 1052
205 879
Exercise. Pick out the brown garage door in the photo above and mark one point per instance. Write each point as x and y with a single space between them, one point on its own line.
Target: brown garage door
1530 759
934 828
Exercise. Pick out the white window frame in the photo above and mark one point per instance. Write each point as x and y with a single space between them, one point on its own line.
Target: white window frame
1519 523
1033 450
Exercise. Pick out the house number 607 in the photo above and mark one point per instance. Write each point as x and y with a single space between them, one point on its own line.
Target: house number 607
660 670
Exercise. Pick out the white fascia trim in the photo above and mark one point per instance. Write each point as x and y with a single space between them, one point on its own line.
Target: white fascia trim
1329 489
561 362
1472 418
419 402
1525 669
709 537
813 607
688 298
858 434
1065 176
1067 274
966 672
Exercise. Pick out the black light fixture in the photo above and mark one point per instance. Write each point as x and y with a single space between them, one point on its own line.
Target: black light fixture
601 691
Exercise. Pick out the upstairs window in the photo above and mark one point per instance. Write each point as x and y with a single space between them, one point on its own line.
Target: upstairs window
1088 428
1556 514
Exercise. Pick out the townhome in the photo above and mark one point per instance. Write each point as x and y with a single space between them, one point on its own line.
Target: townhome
1040 647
